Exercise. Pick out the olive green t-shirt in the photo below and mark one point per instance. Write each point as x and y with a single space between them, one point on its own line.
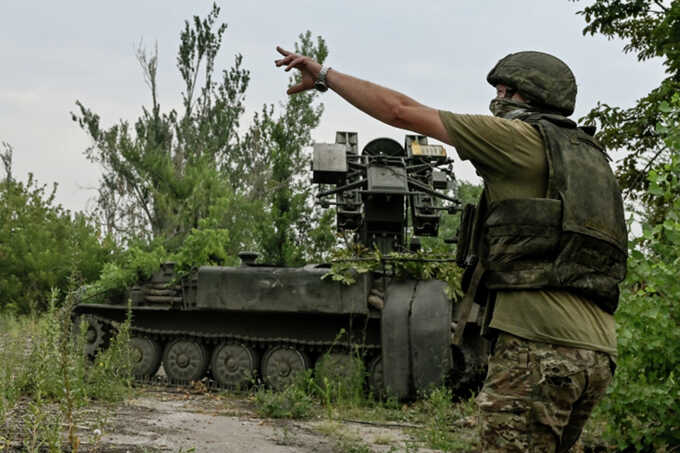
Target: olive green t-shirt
510 157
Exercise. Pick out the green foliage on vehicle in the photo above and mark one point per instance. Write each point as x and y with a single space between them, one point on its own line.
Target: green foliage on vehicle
425 264
202 246
434 260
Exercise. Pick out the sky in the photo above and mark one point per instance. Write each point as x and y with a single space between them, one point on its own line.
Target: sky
436 51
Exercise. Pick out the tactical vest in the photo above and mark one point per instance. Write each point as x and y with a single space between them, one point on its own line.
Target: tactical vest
574 239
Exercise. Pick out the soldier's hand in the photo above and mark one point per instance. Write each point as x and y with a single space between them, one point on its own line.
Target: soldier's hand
309 69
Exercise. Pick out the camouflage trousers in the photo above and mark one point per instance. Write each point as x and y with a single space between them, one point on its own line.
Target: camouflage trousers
538 396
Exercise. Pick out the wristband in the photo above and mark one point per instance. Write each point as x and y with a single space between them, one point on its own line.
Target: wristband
320 83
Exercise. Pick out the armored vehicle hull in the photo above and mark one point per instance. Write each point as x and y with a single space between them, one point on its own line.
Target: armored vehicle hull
239 325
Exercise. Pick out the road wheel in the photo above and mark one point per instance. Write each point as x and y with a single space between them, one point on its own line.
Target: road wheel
185 360
233 365
281 366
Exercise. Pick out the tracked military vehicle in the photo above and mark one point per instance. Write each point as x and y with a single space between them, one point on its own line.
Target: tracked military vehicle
256 321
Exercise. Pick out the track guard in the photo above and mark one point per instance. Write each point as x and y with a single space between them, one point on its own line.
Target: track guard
430 335
394 329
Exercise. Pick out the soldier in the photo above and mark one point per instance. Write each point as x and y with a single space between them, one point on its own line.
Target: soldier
551 247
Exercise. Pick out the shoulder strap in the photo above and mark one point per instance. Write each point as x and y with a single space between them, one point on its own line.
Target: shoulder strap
475 267
466 304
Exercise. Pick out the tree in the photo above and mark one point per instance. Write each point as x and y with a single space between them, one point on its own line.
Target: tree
651 29
641 408
42 245
169 171
284 235
642 405
161 175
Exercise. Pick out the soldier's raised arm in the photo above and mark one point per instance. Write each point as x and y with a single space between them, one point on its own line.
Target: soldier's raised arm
384 104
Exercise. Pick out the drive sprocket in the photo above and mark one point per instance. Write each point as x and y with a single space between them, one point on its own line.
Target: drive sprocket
95 334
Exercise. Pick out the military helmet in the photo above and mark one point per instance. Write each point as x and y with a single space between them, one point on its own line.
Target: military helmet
543 80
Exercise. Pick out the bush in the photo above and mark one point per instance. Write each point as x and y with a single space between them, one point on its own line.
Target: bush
643 404
41 245
293 402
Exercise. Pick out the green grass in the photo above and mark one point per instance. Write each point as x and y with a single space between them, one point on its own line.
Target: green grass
435 421
293 402
46 377
447 426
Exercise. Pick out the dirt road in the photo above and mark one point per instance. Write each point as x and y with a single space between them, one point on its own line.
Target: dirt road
177 422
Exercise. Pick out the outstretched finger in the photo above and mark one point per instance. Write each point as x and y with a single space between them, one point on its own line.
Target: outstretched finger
294 63
296 88
283 61
283 51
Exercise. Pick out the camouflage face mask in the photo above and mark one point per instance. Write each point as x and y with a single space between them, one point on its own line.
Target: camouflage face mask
506 108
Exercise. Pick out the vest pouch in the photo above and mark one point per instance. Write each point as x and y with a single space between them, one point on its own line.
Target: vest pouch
592 268
523 239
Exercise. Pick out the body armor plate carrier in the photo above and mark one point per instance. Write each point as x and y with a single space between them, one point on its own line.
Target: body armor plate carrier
574 239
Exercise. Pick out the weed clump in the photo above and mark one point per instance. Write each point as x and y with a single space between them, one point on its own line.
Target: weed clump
46 377
293 402
338 381
448 426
